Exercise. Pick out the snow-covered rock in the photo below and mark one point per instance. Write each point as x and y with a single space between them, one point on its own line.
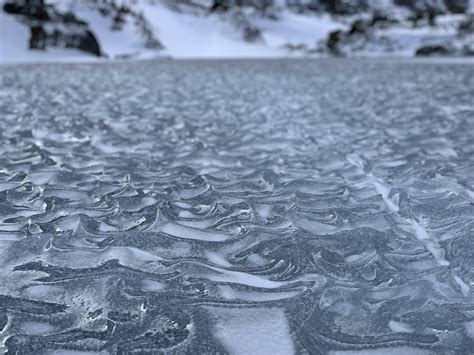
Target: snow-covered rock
369 37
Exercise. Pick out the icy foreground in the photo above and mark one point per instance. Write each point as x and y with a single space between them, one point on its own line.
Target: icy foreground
258 207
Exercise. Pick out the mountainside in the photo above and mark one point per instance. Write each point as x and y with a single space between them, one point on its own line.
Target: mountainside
35 30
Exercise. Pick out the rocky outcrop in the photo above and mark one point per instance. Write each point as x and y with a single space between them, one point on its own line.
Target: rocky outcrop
466 27
226 5
360 32
430 50
337 7
345 7
457 6
35 9
121 13
84 41
51 28
435 6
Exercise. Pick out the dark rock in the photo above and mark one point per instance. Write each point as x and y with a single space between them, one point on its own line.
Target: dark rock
432 50
70 18
381 20
359 26
219 6
88 43
226 5
300 47
336 7
457 6
416 18
378 18
468 51
301 6
332 42
153 43
438 7
466 26
31 8
250 32
55 38
345 7
104 11
432 18
37 38
118 22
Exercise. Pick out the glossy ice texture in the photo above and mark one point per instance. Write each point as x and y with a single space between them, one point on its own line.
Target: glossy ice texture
247 207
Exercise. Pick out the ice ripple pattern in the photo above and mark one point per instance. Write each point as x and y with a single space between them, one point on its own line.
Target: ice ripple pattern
244 207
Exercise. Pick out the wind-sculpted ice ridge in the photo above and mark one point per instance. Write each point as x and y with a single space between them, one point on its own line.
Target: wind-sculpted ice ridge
310 207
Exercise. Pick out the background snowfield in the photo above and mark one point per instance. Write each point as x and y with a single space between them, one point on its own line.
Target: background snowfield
237 206
191 30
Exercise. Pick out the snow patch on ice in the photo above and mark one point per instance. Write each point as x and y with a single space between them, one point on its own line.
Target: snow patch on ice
152 286
36 328
243 279
230 293
180 231
470 329
384 191
383 351
430 243
465 288
253 331
217 259
400 327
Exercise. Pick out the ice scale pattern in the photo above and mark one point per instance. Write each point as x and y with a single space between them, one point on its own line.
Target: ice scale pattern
247 207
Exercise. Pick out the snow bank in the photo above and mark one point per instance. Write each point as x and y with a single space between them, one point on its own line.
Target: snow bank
188 35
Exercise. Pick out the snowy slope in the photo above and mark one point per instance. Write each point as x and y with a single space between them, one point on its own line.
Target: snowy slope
191 30
296 29
188 35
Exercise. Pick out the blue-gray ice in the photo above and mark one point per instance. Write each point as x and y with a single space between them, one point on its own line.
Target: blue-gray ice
247 207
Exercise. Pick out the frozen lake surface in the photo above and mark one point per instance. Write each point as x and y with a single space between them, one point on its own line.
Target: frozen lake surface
247 207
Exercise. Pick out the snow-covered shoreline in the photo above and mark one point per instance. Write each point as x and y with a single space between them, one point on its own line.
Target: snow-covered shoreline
451 60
